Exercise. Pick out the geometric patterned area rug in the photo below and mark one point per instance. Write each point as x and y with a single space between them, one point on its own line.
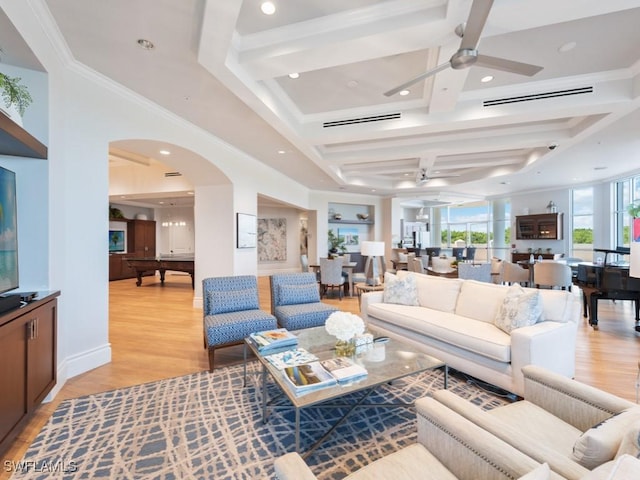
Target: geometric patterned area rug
209 426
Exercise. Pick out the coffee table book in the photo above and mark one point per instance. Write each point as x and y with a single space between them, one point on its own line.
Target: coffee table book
307 377
343 368
271 340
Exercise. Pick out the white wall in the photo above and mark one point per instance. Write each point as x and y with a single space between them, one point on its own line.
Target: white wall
87 113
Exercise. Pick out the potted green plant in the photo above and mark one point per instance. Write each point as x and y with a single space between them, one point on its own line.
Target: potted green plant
335 243
14 93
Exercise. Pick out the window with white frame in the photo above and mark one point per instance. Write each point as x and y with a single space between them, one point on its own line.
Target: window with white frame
582 223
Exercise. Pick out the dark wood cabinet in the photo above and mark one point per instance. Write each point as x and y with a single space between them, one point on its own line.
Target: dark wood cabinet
141 238
141 243
27 362
524 257
543 226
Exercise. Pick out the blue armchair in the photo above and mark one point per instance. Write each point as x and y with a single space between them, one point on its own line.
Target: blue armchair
295 301
231 311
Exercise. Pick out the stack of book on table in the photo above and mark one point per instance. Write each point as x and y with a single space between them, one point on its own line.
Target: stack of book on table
319 374
273 340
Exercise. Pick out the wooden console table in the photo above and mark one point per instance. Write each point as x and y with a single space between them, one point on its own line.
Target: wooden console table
142 265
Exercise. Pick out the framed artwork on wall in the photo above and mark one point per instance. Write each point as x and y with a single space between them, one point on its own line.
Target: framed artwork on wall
272 239
246 230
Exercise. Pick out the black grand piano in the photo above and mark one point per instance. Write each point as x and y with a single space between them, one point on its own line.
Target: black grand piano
607 281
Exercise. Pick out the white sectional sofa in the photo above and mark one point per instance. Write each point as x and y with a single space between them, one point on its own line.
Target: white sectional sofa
455 320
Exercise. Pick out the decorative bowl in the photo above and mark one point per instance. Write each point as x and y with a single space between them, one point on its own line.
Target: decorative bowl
362 216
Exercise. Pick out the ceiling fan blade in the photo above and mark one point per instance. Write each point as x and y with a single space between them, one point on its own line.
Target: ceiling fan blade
475 23
507 65
422 76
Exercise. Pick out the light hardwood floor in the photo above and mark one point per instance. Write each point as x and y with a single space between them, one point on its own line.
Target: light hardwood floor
156 333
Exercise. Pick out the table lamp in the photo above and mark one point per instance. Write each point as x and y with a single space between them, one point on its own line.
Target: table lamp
373 251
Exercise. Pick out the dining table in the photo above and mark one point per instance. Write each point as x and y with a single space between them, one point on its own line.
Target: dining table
347 267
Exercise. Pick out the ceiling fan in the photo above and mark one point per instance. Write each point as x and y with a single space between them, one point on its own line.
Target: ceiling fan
468 54
424 177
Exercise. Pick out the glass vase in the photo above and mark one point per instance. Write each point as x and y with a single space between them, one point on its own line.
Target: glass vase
345 348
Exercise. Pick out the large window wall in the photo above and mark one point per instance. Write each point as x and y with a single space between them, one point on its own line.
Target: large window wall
582 223
484 225
626 192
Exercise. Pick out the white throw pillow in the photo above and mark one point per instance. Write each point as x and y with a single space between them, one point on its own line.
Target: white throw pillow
539 473
402 291
520 308
402 257
601 442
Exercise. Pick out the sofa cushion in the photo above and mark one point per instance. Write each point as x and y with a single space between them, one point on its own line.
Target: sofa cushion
438 293
412 462
475 336
631 441
232 300
535 422
480 300
520 308
540 473
556 305
625 467
398 290
297 294
601 442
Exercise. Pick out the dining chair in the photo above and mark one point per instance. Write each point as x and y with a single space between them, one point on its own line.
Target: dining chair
480 272
417 265
442 265
331 275
552 274
514 273
496 270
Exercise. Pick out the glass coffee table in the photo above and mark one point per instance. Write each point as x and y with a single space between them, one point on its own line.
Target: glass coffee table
385 362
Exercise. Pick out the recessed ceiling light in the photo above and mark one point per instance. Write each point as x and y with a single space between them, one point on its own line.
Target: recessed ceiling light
404 92
505 183
146 44
599 168
190 193
282 152
165 152
268 8
352 84
567 47
486 79
294 75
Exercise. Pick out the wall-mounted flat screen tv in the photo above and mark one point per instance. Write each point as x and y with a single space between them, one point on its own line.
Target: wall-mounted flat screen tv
8 231
116 241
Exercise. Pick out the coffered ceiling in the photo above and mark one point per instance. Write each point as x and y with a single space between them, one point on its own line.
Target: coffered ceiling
224 65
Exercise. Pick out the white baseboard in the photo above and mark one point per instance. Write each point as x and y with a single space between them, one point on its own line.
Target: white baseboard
79 363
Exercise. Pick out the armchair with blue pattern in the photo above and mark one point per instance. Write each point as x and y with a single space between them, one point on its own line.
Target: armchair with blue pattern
295 301
231 311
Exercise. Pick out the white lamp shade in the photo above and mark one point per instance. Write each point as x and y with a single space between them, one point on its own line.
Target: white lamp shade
634 260
372 249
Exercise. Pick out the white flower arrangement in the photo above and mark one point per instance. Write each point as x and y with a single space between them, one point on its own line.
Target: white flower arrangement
344 325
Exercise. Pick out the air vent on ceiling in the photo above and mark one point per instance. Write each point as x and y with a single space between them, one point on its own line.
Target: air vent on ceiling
352 121
172 174
538 96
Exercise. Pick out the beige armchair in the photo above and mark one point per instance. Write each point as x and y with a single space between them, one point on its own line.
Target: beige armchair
448 447
554 415
552 274
442 265
513 273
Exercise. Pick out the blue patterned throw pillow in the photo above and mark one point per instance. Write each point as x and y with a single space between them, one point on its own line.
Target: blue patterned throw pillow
402 291
297 294
233 301
520 308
